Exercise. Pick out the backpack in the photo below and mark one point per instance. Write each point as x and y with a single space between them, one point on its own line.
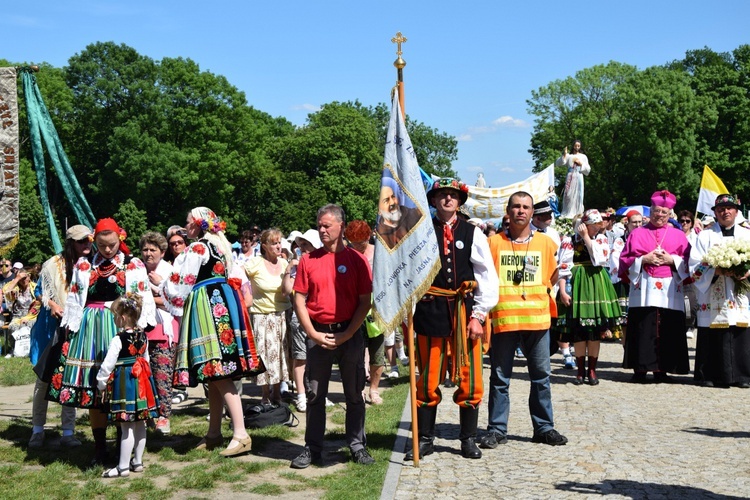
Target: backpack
263 415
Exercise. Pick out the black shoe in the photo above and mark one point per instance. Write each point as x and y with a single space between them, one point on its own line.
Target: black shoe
490 440
706 383
448 383
578 381
662 378
469 448
593 381
551 437
306 458
744 385
362 457
426 447
639 378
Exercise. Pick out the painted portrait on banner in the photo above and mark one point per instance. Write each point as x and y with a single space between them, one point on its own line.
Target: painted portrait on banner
397 211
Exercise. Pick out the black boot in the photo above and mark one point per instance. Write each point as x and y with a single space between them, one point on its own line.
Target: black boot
426 423
469 417
100 446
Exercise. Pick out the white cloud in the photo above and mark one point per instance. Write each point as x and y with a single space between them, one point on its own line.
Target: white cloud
306 107
509 121
475 168
464 138
507 170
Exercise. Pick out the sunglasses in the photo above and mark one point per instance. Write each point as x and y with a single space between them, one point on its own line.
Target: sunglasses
5 265
685 221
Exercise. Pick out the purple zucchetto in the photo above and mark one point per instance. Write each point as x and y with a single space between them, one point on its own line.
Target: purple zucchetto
664 199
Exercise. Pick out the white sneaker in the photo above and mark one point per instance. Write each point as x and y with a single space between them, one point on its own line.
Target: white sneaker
329 402
301 403
394 372
404 360
690 333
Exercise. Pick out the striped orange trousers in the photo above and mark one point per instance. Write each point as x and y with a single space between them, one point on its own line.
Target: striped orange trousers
432 359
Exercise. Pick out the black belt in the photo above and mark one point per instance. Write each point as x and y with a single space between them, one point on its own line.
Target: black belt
331 328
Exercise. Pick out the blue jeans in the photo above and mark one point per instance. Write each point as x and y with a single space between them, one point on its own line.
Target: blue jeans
535 347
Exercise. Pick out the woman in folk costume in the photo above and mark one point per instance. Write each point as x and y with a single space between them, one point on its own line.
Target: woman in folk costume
52 289
593 306
214 344
578 166
91 325
722 352
654 262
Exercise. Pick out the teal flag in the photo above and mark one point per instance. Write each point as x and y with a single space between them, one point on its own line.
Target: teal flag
42 128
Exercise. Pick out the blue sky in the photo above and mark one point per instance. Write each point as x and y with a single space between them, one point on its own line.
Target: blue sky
471 66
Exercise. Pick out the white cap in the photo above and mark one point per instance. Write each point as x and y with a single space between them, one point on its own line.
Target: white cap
17 265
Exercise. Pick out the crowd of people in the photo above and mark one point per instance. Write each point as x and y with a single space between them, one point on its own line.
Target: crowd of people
123 336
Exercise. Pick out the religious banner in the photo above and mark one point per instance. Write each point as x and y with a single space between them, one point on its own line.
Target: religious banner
490 203
9 150
406 248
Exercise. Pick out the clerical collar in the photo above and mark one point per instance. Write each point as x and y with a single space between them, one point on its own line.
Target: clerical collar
727 231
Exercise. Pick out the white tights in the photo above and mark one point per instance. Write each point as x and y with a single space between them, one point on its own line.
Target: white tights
133 437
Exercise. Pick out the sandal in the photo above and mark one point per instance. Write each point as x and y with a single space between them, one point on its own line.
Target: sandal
134 467
209 443
116 472
375 398
243 446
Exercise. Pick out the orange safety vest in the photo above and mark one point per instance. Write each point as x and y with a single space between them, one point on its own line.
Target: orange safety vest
524 305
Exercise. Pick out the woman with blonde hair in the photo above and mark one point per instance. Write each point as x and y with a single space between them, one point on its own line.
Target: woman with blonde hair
270 313
214 346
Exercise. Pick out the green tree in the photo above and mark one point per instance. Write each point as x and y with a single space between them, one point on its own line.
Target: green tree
638 129
723 135
133 221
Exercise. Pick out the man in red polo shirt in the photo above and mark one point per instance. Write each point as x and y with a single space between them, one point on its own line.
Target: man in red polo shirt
333 290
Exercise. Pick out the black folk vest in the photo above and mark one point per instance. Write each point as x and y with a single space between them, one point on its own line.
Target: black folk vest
435 316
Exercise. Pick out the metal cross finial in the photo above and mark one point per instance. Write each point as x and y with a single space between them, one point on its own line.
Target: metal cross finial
398 39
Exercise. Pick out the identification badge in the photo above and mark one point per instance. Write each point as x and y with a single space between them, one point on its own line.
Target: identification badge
460 245
112 279
529 265
342 269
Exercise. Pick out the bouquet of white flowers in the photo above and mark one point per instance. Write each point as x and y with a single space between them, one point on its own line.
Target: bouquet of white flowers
733 258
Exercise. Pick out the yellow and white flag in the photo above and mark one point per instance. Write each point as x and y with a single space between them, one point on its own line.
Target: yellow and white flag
711 187
406 248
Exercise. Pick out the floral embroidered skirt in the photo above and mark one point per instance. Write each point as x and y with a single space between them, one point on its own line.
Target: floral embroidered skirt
594 307
74 379
271 335
214 342
131 392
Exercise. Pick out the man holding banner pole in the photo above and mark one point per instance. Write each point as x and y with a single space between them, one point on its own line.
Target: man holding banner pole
449 319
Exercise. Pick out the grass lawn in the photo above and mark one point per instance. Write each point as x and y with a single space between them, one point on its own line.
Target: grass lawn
175 470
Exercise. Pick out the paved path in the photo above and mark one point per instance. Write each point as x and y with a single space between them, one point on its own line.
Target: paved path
626 441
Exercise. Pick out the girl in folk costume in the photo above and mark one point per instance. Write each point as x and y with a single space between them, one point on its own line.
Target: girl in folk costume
592 306
91 324
214 345
126 385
